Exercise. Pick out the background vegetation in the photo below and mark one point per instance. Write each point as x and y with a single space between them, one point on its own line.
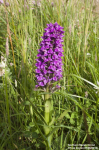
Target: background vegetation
22 24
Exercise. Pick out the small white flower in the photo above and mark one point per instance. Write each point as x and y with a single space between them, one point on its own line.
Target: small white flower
11 64
88 54
15 83
2 65
2 68
86 94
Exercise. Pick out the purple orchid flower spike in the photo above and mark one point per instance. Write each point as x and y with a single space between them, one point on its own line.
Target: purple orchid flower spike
49 61
49 69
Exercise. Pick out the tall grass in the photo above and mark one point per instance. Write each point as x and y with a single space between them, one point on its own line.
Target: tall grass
76 108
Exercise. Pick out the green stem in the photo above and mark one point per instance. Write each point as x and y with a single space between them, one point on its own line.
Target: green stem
31 112
48 115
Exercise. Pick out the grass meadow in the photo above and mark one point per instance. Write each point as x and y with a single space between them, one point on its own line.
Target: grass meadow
76 103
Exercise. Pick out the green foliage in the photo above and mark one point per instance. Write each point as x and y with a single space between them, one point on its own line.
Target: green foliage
76 109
